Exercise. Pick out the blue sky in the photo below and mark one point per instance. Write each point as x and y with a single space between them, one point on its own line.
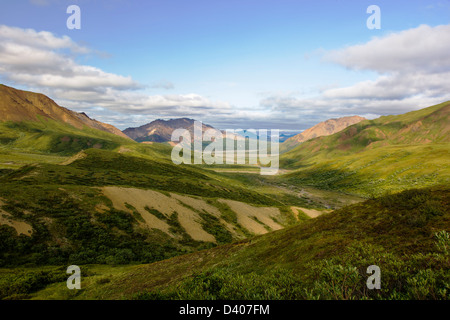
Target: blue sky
232 64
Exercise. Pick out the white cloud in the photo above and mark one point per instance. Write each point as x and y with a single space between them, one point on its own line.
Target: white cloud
38 59
163 84
414 66
422 49
414 72
395 86
44 62
42 39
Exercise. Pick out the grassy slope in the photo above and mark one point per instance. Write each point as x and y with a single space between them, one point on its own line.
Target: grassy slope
103 168
322 258
60 202
51 136
68 195
49 141
389 153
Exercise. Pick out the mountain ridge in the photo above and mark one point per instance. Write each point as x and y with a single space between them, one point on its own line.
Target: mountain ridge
323 128
422 126
160 130
372 157
19 105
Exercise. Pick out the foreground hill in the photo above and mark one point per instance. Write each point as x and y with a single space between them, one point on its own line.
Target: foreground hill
405 234
107 207
372 156
18 106
324 128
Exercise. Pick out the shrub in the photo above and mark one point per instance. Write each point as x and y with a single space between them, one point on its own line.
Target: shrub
443 241
222 284
24 282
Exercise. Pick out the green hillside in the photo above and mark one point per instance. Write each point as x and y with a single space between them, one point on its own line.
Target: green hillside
405 234
142 227
61 199
49 141
55 137
390 153
75 212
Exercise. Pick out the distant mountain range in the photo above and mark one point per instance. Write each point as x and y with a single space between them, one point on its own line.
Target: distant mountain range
324 128
18 105
161 130
284 135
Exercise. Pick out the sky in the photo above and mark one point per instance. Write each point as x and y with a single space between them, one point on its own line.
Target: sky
250 64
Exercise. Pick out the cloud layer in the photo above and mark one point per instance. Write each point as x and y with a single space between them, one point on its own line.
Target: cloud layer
423 49
47 63
413 68
414 72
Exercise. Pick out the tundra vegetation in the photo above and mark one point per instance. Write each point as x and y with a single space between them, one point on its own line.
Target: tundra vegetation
379 188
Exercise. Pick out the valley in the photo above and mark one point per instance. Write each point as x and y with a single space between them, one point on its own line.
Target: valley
141 227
